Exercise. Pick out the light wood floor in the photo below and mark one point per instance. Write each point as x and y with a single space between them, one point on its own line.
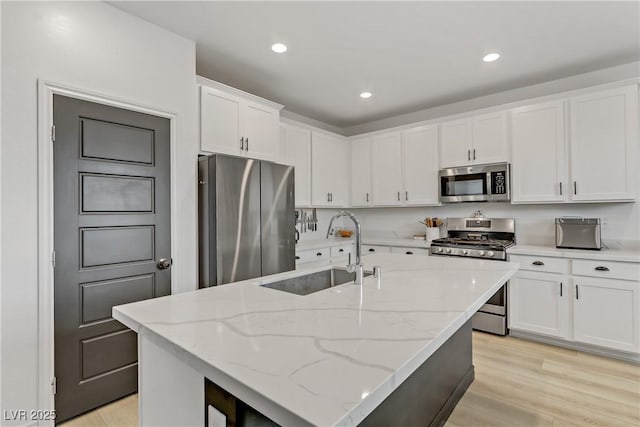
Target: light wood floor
518 383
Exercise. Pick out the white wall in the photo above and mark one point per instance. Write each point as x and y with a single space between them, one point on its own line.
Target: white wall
95 47
534 223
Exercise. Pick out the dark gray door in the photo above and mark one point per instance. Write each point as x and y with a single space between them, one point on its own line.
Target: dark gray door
111 228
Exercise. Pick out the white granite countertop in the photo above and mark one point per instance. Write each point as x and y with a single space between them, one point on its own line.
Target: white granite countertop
618 250
327 358
390 241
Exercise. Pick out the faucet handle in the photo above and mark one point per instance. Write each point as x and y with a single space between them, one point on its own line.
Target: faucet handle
377 271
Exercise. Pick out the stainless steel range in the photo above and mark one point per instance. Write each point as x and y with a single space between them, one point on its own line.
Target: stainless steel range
487 238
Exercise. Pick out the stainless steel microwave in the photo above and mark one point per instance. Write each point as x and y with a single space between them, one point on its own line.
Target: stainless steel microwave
478 183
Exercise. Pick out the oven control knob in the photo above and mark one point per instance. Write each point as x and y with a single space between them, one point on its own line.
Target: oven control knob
490 253
439 250
465 252
481 253
448 250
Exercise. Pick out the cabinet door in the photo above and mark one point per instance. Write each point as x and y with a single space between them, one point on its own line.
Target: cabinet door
420 161
321 173
339 172
296 147
361 172
604 136
260 130
606 313
489 140
330 160
538 148
539 302
386 169
455 143
219 122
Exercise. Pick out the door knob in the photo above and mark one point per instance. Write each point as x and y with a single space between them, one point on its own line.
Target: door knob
164 263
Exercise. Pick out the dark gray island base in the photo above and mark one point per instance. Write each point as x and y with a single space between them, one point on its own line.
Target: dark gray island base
426 398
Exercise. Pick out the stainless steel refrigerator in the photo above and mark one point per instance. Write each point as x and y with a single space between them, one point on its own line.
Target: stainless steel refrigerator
246 219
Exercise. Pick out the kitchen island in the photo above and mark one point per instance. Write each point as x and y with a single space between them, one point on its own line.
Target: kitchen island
343 356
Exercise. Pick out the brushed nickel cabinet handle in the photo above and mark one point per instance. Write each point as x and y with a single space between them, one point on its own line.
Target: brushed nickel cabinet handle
561 189
560 288
577 294
398 196
575 188
474 154
468 154
406 195
242 143
367 197
246 144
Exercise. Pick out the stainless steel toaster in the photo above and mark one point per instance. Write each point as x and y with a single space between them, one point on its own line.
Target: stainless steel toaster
578 233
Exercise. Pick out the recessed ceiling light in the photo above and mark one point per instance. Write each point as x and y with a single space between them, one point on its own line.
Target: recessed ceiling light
279 48
490 57
365 95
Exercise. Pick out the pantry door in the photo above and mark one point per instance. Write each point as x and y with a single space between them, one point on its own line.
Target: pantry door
112 244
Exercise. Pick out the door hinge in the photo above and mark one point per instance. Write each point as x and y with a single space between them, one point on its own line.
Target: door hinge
53 259
53 133
54 386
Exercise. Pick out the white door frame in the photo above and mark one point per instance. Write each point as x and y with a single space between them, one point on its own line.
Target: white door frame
46 91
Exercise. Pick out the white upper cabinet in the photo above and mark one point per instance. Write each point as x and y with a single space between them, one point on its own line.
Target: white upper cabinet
420 159
386 169
538 147
489 138
296 151
604 139
475 140
361 172
261 131
232 122
455 147
219 122
330 162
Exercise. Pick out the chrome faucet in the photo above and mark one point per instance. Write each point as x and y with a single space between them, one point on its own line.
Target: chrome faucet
357 267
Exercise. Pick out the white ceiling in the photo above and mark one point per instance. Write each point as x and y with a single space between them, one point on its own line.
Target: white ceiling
411 55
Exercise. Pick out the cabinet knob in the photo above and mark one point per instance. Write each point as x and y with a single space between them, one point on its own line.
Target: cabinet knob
297 257
537 263
340 250
601 268
371 250
409 253
319 254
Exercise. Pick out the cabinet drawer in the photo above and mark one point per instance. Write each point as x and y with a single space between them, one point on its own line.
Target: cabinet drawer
608 269
541 263
342 251
314 255
409 251
372 249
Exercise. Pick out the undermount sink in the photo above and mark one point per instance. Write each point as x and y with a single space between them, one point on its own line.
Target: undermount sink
314 282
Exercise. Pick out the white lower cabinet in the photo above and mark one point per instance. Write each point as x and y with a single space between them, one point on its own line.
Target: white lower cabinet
326 255
595 302
606 313
540 302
